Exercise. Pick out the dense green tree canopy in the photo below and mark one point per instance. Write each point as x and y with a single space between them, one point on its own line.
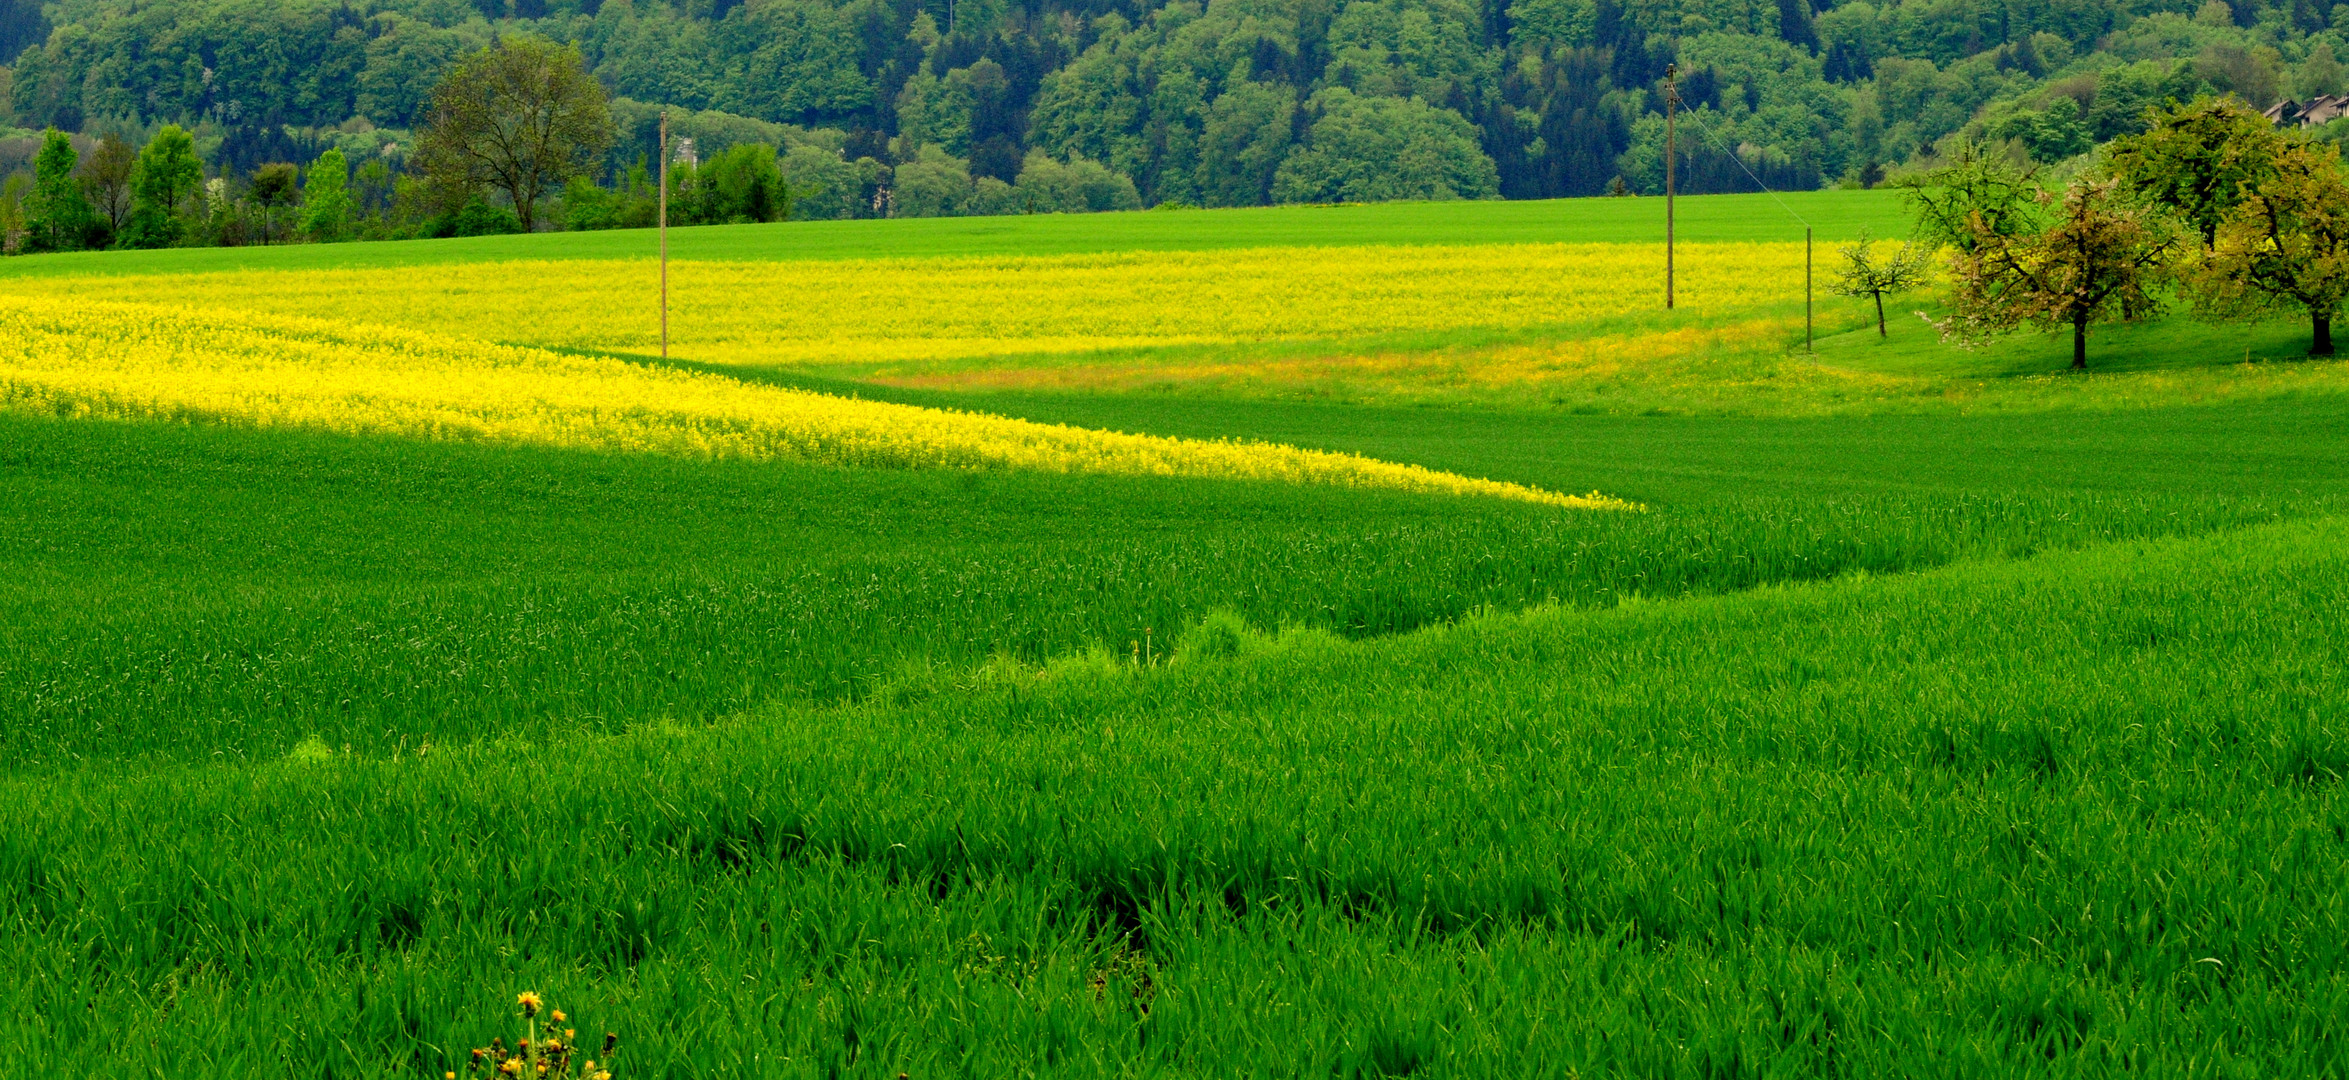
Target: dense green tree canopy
1367 149
1203 101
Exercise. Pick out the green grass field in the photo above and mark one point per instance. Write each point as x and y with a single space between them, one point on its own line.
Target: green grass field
1992 726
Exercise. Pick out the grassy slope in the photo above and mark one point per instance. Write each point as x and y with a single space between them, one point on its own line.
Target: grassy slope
2168 344
1837 214
2074 816
1852 371
2251 447
190 592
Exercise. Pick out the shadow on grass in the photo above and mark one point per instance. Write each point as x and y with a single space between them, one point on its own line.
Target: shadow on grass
1912 347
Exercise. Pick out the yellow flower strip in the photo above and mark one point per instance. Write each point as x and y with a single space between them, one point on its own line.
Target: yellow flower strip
910 312
102 359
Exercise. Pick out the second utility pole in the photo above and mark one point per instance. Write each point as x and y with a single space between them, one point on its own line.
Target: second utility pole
664 234
1671 150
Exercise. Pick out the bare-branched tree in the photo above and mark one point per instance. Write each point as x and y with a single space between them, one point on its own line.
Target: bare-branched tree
106 180
1863 275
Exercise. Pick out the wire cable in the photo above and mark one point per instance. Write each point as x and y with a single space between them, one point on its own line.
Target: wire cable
1691 115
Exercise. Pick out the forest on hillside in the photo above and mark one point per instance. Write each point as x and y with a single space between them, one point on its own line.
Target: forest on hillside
1227 103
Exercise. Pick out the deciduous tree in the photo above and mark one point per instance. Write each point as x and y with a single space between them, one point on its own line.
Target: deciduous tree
2286 246
1367 149
275 186
329 199
106 181
1978 194
522 117
935 185
1863 275
1248 132
2099 259
2197 160
1080 186
744 184
12 193
57 216
168 175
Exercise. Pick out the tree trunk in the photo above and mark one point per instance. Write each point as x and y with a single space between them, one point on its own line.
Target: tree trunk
2079 343
1880 316
2320 341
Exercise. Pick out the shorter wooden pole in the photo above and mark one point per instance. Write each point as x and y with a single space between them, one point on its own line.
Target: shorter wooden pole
1671 150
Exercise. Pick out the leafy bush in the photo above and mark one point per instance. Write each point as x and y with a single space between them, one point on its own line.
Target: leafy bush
1078 186
475 218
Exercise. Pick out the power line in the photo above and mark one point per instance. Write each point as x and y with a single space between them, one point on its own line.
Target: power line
1809 338
1741 165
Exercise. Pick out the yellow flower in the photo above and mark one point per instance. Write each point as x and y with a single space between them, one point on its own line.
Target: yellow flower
511 1066
558 1015
529 1000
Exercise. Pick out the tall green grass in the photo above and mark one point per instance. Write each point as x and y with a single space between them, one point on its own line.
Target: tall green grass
183 593
2205 452
2074 816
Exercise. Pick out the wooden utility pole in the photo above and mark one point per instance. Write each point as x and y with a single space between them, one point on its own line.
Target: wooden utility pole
1671 151
664 234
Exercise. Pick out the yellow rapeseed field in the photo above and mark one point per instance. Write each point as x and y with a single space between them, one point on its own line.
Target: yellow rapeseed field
94 358
905 317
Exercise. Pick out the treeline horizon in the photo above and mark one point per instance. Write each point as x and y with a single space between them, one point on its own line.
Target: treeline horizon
1205 104
878 108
